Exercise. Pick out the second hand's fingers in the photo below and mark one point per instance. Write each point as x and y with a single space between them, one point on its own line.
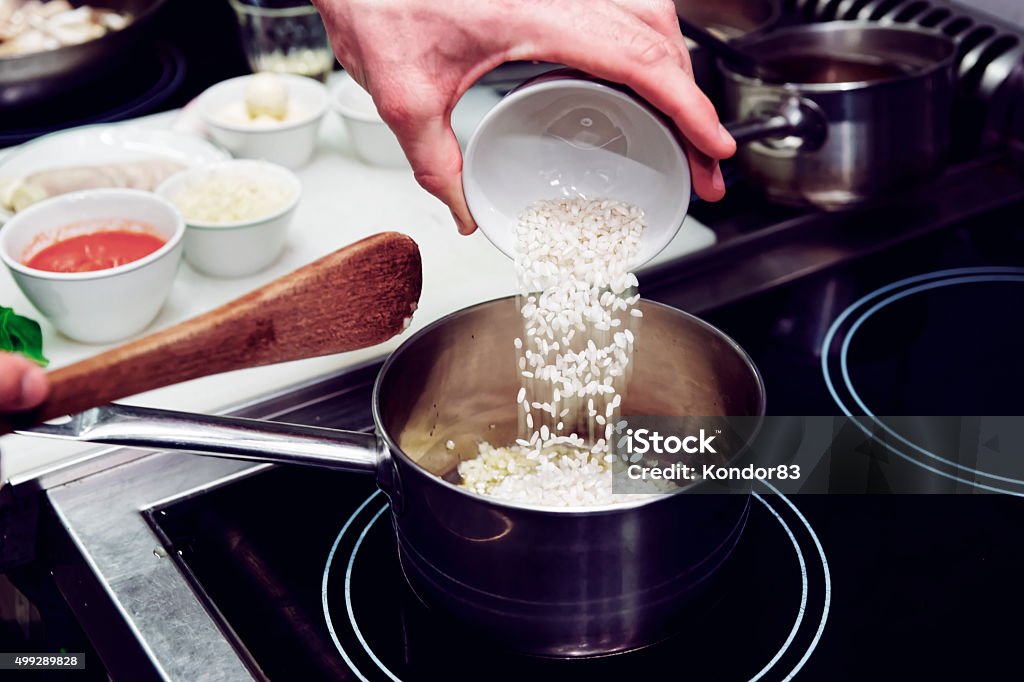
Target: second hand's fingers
22 384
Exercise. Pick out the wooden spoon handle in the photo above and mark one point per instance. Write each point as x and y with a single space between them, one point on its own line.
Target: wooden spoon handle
356 297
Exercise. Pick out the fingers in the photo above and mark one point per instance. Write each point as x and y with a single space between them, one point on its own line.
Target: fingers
642 58
22 384
705 172
633 42
661 16
433 152
706 175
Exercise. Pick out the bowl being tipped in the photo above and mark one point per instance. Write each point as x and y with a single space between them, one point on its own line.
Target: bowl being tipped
563 135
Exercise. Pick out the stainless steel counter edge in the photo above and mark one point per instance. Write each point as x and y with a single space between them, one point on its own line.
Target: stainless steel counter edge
117 558
140 611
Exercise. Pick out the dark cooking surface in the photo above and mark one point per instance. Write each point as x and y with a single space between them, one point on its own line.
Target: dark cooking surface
131 88
948 351
922 587
959 363
288 636
260 548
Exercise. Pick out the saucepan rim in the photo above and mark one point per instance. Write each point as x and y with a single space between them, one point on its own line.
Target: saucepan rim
582 510
838 27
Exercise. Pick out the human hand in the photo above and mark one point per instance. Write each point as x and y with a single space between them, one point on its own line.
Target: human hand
418 57
22 384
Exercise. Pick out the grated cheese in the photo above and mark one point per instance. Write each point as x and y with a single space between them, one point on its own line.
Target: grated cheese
226 198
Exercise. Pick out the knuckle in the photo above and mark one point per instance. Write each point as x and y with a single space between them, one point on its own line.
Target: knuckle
396 111
404 107
651 50
438 177
430 180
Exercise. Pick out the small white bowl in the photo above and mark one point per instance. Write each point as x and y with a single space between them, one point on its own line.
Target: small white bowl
235 249
565 135
104 305
371 138
288 143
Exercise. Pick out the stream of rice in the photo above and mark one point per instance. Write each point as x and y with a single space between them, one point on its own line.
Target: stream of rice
578 303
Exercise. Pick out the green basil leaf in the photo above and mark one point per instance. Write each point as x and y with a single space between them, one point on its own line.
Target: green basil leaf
21 335
6 343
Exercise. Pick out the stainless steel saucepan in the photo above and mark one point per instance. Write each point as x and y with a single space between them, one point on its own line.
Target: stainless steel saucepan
563 582
865 109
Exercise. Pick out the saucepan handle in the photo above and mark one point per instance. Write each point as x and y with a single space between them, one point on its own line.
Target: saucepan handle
787 116
759 128
230 437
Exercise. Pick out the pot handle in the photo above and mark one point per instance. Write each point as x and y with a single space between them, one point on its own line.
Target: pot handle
230 437
790 116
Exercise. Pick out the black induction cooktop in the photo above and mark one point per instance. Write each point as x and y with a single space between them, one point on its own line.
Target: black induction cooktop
301 569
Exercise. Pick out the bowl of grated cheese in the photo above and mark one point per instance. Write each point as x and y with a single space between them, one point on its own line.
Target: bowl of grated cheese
236 212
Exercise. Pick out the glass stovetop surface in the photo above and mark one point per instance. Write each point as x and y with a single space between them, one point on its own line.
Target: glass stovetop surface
301 568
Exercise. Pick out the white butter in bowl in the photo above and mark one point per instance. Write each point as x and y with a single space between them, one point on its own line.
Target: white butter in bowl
274 117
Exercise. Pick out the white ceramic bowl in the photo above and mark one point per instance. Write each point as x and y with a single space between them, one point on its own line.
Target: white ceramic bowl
563 135
289 143
104 305
235 249
371 139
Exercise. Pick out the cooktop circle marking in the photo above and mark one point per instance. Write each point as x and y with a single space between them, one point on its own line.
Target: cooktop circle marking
348 596
926 282
782 651
323 586
803 593
848 381
825 572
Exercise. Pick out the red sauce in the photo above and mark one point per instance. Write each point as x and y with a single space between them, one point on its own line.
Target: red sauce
98 250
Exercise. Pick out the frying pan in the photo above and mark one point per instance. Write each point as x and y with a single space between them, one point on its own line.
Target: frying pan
561 582
34 76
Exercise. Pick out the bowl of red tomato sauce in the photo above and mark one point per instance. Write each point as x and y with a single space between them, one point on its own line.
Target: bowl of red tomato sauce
97 264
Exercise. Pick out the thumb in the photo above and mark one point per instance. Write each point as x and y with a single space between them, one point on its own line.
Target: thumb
22 384
433 151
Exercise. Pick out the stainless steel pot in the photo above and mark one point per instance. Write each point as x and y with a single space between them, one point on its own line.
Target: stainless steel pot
552 582
840 144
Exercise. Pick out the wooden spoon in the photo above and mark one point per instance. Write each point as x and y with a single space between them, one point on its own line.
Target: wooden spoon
356 297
